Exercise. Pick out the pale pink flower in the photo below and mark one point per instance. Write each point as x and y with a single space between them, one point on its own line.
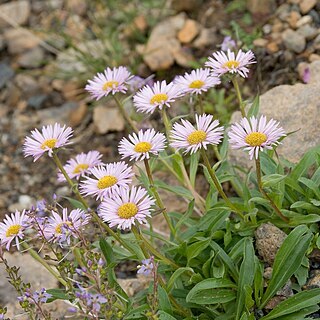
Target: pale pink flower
196 82
110 81
50 138
107 180
13 227
61 228
186 136
255 135
127 207
141 145
228 44
81 165
160 94
222 63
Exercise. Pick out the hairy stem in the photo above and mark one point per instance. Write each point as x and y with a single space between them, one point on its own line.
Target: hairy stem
260 186
238 93
124 114
217 184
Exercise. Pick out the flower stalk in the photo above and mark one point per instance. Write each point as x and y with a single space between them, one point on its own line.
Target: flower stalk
239 96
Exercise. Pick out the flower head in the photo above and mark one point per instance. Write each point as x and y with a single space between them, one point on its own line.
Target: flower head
222 63
186 136
61 228
228 44
13 227
197 81
36 297
141 145
110 81
126 207
160 94
50 138
147 266
107 180
81 165
254 135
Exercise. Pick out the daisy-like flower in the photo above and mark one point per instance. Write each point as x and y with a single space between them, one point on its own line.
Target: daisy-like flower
254 135
141 145
186 136
60 229
222 63
110 81
126 207
160 94
50 138
107 180
13 227
81 165
196 82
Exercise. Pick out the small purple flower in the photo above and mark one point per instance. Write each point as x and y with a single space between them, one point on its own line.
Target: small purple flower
306 75
37 297
97 300
137 83
228 44
41 208
147 267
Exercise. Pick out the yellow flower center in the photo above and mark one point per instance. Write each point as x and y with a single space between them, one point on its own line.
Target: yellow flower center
255 139
80 167
13 230
143 147
110 85
196 137
50 143
158 98
106 182
231 64
196 84
127 210
58 228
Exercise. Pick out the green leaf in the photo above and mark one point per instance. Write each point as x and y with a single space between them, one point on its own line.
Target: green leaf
194 163
194 249
287 260
258 281
58 294
137 312
164 301
254 109
165 316
311 185
177 274
76 204
246 275
181 191
272 180
106 251
213 219
295 303
304 219
212 291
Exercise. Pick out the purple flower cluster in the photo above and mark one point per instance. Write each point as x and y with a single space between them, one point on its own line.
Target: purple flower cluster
92 302
36 297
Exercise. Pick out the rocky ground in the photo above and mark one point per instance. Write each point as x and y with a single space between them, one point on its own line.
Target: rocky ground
285 38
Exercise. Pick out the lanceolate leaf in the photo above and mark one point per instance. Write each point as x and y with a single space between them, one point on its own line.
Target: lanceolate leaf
287 260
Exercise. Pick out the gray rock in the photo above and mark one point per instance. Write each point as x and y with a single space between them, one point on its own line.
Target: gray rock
6 73
37 101
314 280
39 279
16 11
107 118
308 32
269 239
27 84
304 20
32 58
20 40
293 40
57 114
297 108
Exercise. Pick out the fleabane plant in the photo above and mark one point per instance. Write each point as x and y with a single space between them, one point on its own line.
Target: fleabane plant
202 264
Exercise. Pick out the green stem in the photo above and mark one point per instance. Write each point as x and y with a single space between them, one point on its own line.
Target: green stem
238 93
84 203
35 256
201 107
147 245
260 186
157 196
217 184
124 114
166 121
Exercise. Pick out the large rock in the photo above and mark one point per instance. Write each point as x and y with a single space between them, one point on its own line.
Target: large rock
293 40
14 12
297 107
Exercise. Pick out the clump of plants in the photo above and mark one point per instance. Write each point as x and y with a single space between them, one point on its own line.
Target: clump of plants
207 267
